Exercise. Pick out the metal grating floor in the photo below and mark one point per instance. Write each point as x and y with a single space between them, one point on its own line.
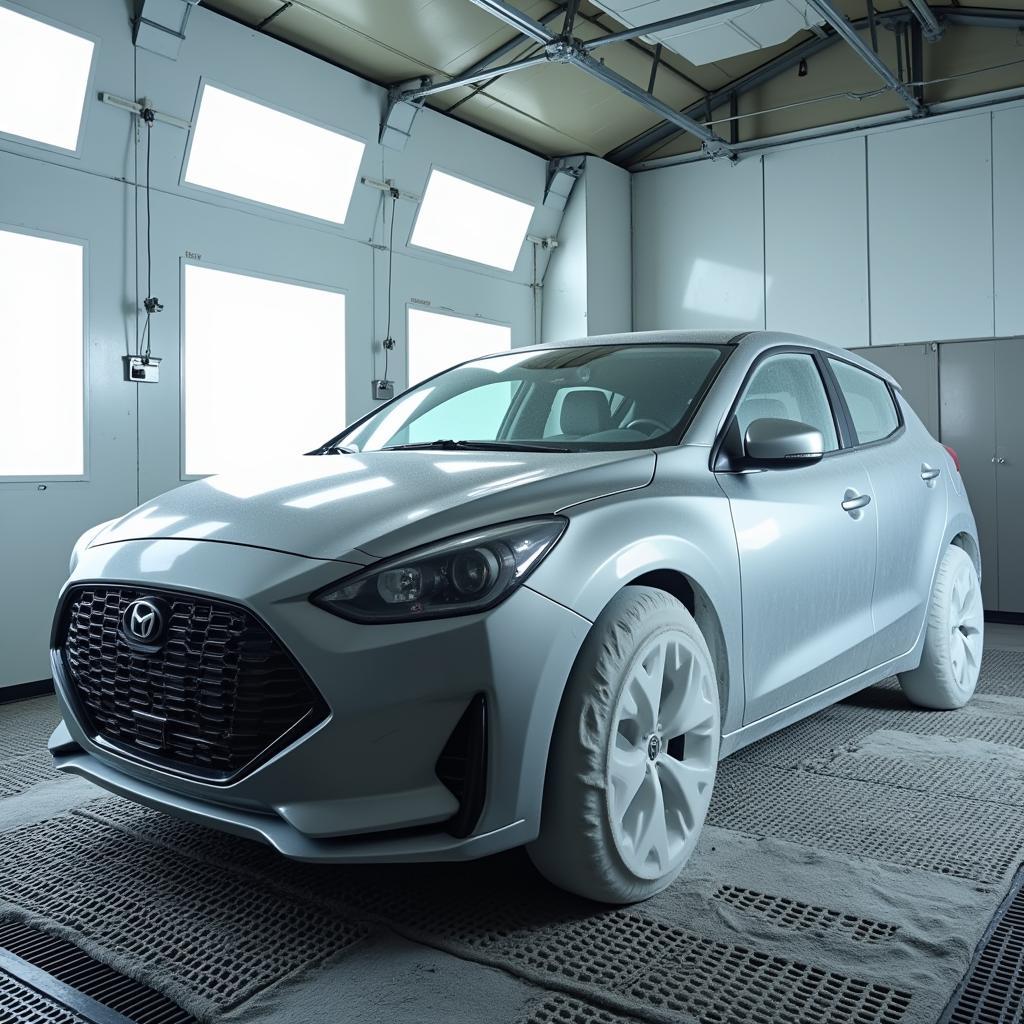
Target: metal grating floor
20 1004
993 991
851 865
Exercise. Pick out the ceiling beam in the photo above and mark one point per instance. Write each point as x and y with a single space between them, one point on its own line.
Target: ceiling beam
518 19
980 17
513 44
930 26
627 152
714 145
827 10
566 50
654 27
470 78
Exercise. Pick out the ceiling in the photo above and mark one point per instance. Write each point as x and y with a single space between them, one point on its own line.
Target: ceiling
557 110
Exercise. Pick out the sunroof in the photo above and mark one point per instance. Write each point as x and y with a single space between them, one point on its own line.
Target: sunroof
253 151
474 223
44 73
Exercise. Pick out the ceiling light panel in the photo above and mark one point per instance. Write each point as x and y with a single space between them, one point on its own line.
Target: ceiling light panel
717 37
250 150
471 222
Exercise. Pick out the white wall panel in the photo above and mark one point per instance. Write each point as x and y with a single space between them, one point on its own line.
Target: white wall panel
698 247
1008 196
816 268
564 313
609 293
930 217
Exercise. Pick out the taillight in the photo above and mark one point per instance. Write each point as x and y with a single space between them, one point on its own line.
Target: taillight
953 455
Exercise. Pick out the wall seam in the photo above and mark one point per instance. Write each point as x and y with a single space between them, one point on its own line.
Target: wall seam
764 250
992 204
867 238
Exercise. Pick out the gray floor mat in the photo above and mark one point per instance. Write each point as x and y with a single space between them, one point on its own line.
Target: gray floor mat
25 726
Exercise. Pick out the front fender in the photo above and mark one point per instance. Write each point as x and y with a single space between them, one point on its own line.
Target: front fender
681 523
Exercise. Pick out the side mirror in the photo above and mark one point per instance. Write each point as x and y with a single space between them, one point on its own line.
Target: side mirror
782 444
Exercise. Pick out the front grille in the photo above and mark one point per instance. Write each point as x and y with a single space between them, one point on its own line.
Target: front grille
217 695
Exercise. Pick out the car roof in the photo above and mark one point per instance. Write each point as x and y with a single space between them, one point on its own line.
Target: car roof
751 342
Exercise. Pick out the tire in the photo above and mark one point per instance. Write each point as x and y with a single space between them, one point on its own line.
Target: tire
951 659
643 660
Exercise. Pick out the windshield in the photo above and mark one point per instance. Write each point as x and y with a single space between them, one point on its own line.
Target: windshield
562 399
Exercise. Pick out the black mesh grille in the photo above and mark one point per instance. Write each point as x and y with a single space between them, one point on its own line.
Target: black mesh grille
216 695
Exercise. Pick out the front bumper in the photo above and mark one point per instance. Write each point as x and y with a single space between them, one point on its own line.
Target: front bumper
395 694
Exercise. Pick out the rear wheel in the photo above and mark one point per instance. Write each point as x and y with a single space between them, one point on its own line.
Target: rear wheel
634 753
951 660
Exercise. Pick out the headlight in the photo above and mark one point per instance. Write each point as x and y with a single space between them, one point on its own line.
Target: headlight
454 577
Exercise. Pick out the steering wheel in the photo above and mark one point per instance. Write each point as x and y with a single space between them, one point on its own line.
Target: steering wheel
643 422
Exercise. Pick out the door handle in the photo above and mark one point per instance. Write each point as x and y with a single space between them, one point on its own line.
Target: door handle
854 501
929 472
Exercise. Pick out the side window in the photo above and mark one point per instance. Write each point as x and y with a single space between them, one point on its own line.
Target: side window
788 387
870 403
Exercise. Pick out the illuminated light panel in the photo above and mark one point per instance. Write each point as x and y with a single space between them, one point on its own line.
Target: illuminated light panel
438 341
264 370
247 149
42 429
471 222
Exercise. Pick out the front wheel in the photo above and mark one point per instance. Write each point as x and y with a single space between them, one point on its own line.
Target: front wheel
951 659
634 753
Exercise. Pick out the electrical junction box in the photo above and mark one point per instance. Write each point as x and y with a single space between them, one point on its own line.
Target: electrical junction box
141 369
383 390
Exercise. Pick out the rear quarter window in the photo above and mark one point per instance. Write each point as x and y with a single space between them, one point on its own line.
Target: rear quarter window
872 407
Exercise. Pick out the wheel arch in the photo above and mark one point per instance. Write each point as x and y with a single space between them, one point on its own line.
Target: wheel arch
697 602
966 541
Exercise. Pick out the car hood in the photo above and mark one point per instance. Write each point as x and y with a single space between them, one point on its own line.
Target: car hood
377 503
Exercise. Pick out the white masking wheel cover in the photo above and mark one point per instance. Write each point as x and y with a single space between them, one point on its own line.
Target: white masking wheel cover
954 638
662 755
634 752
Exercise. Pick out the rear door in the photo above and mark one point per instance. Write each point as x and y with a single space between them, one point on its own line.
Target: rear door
807 565
907 469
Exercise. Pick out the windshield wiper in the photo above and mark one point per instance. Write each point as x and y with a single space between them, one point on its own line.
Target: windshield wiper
447 445
333 449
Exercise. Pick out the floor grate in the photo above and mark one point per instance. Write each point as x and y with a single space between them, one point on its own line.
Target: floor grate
993 991
944 834
566 1010
20 1004
210 939
74 967
797 916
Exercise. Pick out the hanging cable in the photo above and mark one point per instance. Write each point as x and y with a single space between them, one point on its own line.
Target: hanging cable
389 342
150 303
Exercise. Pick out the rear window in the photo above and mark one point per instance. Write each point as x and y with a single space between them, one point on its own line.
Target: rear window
869 400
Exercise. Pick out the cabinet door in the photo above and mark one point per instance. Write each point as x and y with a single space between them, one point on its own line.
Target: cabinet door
1009 471
968 397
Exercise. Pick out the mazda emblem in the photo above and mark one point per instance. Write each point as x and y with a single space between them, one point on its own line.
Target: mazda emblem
143 622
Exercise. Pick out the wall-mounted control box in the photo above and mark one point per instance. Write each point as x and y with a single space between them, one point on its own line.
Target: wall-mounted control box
383 390
141 369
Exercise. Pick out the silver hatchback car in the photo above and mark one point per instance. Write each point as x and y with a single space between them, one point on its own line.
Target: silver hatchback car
532 600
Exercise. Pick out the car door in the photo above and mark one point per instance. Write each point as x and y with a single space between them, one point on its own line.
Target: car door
807 564
906 468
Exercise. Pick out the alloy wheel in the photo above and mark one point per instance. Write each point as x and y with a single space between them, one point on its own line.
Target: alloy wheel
663 754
